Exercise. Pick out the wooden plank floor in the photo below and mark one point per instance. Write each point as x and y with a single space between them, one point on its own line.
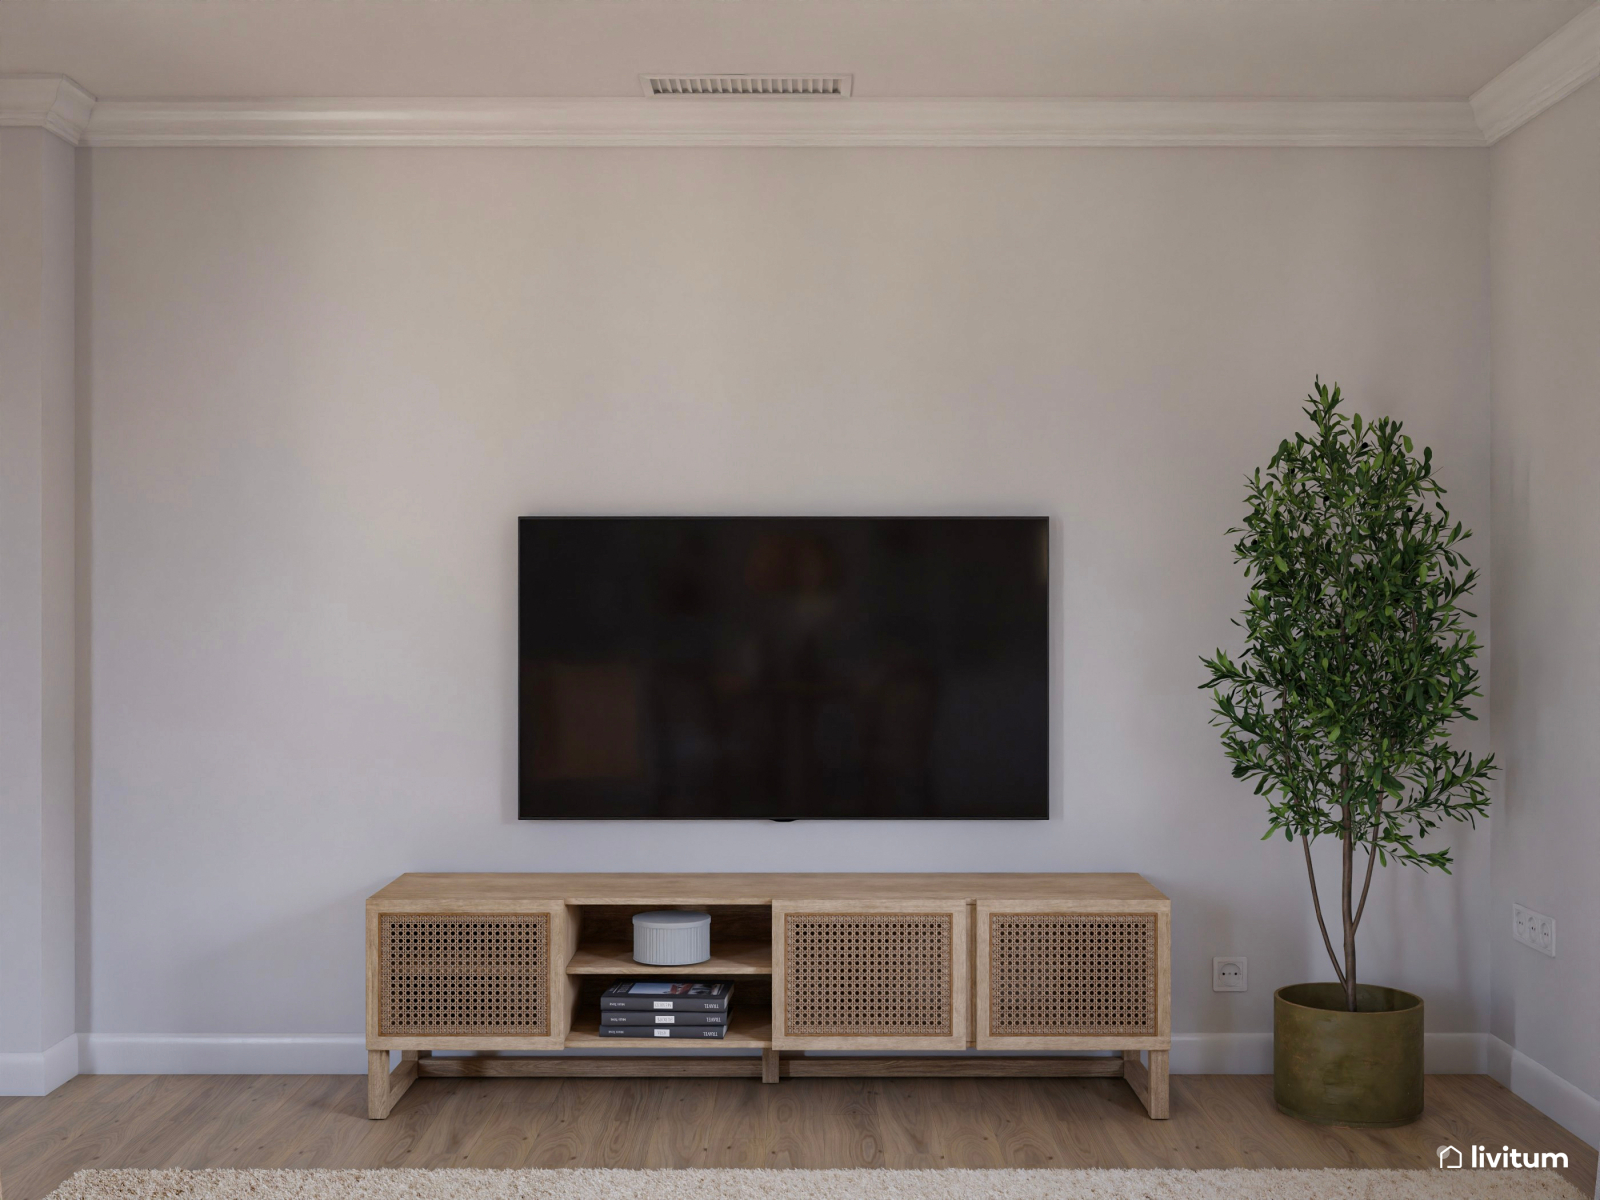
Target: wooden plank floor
319 1121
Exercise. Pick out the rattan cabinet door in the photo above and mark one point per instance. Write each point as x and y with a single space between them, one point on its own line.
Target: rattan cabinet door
472 979
1069 978
864 977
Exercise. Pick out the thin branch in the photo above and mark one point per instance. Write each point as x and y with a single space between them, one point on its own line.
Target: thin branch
1372 857
1317 904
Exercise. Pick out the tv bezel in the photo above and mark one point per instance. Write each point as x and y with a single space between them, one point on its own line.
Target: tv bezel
1050 701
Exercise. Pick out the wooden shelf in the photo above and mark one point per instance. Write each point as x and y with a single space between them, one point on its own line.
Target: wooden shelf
732 958
750 1029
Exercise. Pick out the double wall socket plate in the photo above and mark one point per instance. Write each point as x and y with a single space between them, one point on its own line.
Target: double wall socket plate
1534 929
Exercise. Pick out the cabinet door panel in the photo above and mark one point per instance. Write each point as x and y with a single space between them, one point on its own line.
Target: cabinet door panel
464 978
862 977
1070 978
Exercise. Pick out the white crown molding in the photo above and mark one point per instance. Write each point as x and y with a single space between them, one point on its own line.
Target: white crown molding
52 102
60 105
1545 75
718 122
1548 73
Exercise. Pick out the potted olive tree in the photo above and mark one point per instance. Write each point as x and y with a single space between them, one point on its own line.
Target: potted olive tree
1356 663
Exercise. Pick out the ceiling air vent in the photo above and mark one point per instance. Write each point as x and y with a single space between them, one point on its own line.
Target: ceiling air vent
786 86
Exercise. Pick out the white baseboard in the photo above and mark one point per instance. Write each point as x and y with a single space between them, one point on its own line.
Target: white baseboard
39 1074
1192 1054
1563 1102
231 1054
1221 1054
1455 1053
222 1054
1251 1053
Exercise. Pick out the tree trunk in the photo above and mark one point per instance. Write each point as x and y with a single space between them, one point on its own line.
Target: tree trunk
1348 847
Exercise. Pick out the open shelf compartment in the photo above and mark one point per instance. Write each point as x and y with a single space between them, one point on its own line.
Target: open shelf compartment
741 941
749 1019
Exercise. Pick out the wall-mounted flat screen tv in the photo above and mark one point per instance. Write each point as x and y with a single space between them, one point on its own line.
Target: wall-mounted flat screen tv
787 668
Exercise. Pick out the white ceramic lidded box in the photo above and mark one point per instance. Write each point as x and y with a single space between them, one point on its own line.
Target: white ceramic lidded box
671 938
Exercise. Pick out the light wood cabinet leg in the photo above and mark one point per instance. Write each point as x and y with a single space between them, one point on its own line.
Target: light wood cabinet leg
1150 1083
1159 1065
769 1066
385 1087
377 1084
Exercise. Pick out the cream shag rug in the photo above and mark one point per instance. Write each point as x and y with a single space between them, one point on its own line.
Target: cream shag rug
592 1184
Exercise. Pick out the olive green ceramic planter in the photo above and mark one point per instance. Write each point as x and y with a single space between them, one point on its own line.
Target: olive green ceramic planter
1336 1067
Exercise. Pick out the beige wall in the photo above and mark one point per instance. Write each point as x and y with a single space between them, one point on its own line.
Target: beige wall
1545 258
324 383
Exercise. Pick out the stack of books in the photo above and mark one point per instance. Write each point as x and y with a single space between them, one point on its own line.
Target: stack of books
665 1008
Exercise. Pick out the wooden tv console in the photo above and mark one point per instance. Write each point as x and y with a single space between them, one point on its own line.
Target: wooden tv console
491 964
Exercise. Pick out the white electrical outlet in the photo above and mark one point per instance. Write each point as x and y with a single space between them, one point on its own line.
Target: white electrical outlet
1534 929
1230 974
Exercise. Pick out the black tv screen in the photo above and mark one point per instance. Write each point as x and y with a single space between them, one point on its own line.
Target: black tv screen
825 668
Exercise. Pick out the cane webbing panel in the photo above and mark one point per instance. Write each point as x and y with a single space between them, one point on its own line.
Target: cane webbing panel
464 973
1072 974
868 974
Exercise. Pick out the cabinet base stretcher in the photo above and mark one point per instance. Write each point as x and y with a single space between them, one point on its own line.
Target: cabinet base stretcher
385 1086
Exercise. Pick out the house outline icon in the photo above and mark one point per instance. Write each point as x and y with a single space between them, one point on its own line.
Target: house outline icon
1445 1154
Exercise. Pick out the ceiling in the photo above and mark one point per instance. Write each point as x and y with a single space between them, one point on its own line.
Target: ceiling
1390 49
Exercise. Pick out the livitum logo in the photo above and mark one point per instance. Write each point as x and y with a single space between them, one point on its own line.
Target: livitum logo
1507 1158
